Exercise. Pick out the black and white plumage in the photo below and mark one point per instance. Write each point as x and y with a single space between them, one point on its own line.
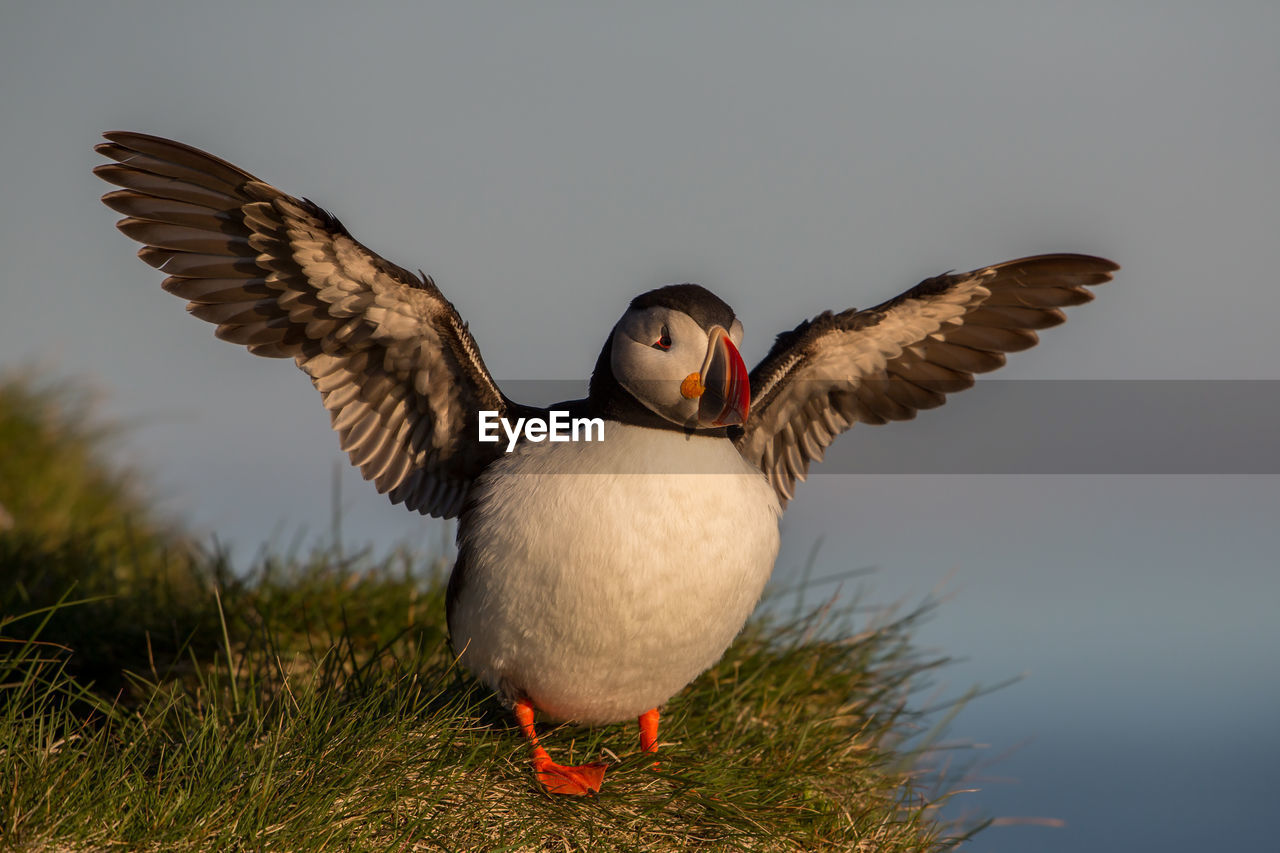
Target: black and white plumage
888 362
594 580
400 374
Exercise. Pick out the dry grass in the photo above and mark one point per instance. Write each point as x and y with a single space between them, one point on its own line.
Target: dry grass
345 728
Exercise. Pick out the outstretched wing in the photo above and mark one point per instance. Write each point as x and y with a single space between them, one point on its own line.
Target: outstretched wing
887 362
399 372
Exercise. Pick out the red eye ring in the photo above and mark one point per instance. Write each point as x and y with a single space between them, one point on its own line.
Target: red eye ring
664 342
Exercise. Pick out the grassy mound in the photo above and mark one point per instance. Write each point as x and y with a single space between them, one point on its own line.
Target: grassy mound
153 699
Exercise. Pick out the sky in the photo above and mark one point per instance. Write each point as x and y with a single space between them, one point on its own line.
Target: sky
546 162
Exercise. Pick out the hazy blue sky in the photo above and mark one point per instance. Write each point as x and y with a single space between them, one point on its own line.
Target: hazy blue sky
545 162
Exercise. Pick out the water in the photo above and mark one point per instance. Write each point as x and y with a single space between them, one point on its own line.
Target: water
1140 613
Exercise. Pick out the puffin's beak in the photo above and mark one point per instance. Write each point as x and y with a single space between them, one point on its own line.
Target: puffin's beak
726 397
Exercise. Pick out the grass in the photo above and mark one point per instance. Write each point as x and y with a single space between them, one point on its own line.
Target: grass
153 698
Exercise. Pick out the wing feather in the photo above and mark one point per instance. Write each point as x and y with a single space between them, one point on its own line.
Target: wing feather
888 362
397 369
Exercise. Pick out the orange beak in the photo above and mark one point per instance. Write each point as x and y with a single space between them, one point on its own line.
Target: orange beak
726 395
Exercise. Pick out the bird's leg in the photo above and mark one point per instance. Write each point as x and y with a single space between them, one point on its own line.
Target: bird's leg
556 778
649 730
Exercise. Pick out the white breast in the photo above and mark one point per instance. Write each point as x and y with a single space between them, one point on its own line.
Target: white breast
599 581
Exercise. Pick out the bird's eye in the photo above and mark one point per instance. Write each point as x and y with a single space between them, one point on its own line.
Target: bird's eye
663 342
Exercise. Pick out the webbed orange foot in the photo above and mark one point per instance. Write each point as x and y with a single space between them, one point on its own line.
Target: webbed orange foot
557 778
574 781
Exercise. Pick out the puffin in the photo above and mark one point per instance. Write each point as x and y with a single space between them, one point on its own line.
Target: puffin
594 578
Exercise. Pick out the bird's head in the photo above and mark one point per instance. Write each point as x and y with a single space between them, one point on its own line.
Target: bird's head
675 352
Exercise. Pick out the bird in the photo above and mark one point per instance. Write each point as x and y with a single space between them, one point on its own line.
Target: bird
594 579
